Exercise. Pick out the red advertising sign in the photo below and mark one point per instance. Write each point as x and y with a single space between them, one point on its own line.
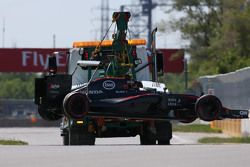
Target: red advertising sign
36 59
173 60
30 59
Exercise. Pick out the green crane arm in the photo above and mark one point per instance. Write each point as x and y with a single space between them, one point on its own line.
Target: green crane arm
122 63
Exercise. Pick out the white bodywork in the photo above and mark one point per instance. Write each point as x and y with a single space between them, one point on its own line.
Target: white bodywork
159 87
88 63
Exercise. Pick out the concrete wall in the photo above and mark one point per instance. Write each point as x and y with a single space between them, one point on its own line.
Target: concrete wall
28 123
233 89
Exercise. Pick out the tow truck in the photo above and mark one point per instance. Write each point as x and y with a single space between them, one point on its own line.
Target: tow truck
108 91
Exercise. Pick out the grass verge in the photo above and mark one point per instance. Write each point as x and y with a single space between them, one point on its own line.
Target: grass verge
218 140
12 142
195 128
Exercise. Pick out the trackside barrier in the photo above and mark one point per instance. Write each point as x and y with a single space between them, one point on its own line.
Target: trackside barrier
233 89
22 113
230 127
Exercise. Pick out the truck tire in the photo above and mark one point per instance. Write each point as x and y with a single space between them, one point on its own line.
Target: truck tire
80 137
147 137
66 140
164 132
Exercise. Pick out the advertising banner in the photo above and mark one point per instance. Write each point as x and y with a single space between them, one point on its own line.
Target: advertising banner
173 60
36 59
30 59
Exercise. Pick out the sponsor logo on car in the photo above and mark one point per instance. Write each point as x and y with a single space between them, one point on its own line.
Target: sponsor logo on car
95 92
244 113
108 84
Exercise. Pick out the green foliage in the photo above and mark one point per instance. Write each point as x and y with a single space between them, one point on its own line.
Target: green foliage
17 85
12 142
218 140
174 82
195 128
219 32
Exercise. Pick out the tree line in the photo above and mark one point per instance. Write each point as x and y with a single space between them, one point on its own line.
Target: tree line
219 35
17 85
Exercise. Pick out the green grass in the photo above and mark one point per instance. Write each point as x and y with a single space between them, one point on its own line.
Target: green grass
12 142
218 140
195 128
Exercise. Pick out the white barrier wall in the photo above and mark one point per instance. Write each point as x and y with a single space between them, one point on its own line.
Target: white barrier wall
233 89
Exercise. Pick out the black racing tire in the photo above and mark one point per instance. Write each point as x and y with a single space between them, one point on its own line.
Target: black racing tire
76 105
208 107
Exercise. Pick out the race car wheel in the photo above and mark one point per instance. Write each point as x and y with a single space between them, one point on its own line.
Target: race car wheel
208 107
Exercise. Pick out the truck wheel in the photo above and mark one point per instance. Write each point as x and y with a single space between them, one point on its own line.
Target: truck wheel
147 137
146 141
81 138
164 142
164 132
66 140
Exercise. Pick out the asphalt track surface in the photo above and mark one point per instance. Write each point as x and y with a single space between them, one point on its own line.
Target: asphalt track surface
45 149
